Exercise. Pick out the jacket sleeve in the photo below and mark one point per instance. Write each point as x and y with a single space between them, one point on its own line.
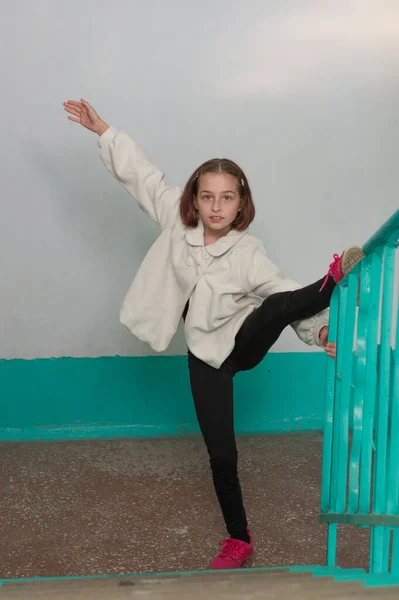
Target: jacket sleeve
140 178
264 279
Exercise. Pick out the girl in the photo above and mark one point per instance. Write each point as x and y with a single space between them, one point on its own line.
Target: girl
207 268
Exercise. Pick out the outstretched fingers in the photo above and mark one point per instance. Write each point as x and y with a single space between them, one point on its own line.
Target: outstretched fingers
73 103
72 110
86 104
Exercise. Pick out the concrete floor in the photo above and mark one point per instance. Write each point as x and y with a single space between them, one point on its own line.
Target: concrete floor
126 506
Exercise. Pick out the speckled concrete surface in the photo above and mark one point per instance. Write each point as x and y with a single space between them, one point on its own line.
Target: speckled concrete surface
93 507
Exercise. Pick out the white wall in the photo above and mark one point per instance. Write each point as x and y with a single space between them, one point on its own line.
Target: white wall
302 93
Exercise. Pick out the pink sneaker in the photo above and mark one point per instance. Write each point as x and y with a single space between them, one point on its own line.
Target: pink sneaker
341 265
234 553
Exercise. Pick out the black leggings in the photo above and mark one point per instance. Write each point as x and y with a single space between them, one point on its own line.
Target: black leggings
212 388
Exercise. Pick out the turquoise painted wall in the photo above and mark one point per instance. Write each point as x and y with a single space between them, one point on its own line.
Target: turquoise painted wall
66 398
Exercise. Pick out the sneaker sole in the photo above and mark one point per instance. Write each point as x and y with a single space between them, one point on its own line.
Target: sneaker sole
350 259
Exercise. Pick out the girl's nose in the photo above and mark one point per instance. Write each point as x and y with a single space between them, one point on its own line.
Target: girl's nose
216 206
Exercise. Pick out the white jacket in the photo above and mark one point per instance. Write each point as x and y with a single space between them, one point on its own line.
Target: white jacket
225 281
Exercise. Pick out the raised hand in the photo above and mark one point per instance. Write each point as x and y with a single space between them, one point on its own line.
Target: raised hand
85 114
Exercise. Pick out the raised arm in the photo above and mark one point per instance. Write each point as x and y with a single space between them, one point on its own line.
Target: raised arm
129 165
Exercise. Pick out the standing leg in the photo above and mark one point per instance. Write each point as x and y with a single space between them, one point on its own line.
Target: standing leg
212 391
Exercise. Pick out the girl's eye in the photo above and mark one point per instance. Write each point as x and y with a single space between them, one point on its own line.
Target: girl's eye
207 197
227 197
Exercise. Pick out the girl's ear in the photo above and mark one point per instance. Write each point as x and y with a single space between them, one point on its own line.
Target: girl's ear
195 202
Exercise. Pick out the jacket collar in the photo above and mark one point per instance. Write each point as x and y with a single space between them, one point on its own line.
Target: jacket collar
195 237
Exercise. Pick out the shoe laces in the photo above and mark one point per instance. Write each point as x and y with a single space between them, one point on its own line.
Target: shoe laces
232 547
332 265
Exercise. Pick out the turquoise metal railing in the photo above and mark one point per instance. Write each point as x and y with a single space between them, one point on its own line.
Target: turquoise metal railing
360 477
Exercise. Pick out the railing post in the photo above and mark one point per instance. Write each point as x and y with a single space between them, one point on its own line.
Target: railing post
360 473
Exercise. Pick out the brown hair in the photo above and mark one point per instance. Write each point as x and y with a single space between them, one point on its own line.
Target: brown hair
188 212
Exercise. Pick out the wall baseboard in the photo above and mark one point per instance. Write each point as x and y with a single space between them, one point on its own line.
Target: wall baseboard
114 397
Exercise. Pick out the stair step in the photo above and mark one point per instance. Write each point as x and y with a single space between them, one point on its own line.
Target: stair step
244 584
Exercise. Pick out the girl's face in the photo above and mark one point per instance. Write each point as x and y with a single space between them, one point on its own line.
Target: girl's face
218 202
